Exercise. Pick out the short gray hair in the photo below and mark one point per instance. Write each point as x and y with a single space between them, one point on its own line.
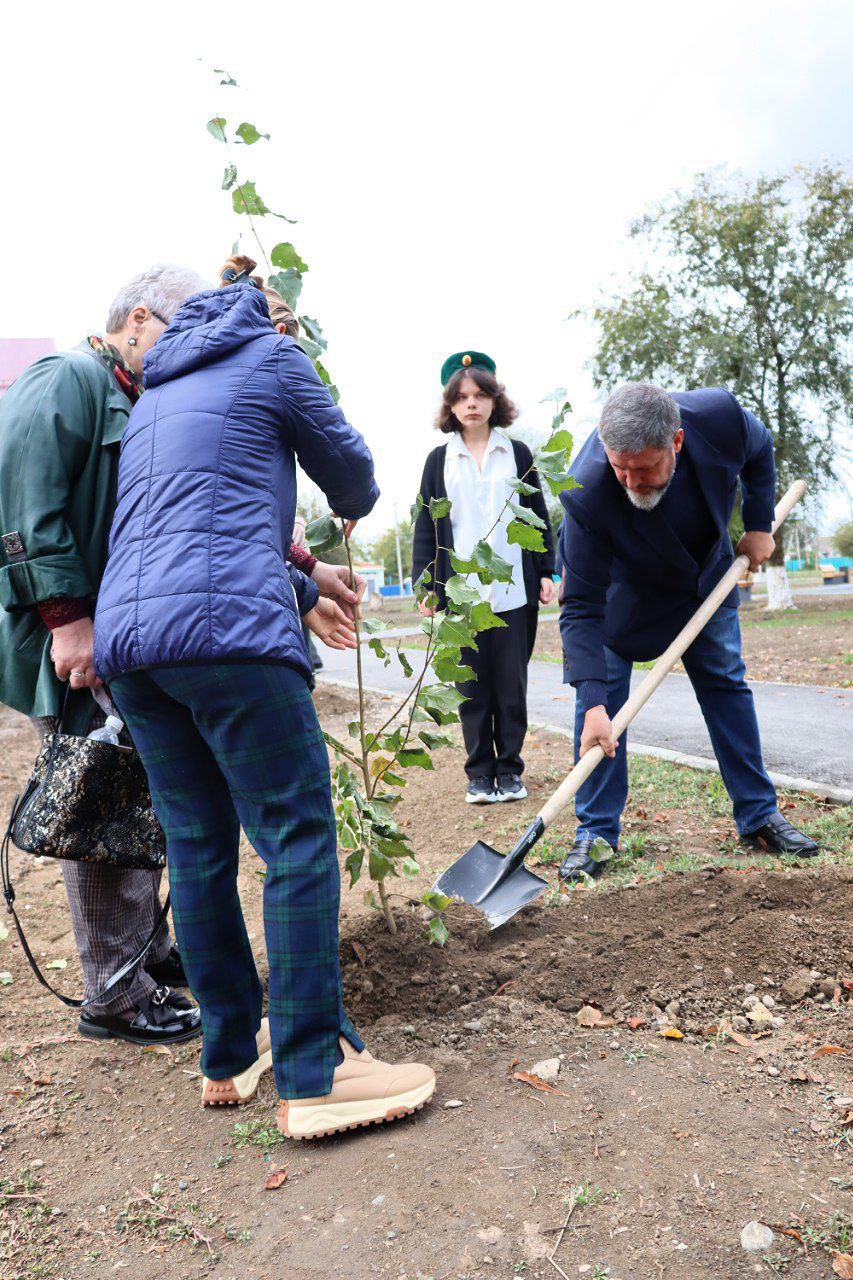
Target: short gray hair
162 289
638 416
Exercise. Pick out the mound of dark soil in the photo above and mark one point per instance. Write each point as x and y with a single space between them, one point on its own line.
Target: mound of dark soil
653 942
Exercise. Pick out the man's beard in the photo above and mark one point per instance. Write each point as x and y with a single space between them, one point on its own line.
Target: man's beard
648 501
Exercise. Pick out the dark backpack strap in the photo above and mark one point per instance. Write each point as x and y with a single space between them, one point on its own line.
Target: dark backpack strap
9 895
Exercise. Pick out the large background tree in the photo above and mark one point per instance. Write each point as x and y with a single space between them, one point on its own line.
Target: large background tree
747 286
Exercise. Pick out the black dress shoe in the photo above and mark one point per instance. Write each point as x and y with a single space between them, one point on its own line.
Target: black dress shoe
778 836
170 971
164 1018
577 862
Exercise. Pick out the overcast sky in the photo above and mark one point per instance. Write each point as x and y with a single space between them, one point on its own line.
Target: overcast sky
463 173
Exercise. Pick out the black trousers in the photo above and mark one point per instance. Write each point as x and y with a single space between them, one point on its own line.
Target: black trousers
494 713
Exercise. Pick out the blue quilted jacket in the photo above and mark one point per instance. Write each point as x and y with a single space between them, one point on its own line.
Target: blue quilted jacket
197 569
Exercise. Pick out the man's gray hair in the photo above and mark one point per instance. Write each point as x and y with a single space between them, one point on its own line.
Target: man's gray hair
161 289
638 416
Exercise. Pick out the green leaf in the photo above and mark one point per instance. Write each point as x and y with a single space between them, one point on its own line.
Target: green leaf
434 740
393 779
436 900
284 255
57 964
379 649
521 486
313 330
5 978
416 508
454 631
560 440
372 626
562 482
248 134
394 848
323 534
415 758
484 563
600 850
527 514
523 535
289 284
447 668
440 702
353 865
460 592
229 177
437 931
216 128
410 868
245 199
354 728
229 80
559 393
439 507
404 663
379 866
483 617
323 373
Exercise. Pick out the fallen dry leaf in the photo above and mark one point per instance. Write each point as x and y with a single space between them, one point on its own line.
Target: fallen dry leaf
684 1134
672 1033
527 1077
828 1048
634 1023
836 996
759 1014
847 984
158 1048
737 1037
276 1178
801 1076
842 1265
361 952
502 988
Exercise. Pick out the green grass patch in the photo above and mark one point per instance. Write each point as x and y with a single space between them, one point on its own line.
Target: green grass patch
797 618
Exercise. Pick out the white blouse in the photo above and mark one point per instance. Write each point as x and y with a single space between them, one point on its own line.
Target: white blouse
478 494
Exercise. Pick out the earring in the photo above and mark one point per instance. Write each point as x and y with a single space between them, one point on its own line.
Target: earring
131 342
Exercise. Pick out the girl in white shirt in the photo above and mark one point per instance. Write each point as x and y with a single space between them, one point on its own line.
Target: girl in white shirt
473 469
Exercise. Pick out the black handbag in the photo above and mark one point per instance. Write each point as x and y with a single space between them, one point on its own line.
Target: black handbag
85 801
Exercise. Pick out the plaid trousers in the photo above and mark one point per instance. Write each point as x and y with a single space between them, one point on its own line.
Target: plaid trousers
240 744
113 910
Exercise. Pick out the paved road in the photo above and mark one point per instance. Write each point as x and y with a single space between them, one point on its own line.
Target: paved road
806 730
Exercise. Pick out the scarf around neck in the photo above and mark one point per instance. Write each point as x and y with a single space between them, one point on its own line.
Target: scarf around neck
129 382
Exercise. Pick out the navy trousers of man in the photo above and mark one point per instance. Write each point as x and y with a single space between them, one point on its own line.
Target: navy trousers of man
716 670
240 744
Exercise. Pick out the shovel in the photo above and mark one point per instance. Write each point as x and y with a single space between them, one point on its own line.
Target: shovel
500 885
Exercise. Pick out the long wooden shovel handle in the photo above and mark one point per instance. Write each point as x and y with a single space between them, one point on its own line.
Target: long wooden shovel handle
638 699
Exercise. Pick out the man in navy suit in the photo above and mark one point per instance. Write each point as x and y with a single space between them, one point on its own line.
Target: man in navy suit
644 540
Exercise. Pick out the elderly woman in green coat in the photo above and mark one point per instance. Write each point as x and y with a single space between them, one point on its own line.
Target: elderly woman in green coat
60 427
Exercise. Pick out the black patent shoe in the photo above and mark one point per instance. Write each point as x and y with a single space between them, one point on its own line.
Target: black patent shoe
164 1018
778 836
170 971
577 862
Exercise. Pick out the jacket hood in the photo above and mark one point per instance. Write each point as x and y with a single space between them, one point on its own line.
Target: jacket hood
207 327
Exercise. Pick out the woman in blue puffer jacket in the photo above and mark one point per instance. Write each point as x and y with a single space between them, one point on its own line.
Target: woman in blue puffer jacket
198 633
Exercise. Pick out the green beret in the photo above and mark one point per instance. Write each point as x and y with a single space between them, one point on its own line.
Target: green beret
465 360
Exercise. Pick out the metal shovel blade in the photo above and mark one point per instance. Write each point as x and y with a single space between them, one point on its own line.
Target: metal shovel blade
471 875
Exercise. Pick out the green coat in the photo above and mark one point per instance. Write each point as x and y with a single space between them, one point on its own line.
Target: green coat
60 427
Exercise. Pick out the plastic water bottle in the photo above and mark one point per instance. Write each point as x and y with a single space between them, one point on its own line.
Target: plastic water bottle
108 732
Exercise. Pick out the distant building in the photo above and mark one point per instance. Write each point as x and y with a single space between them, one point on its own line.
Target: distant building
375 575
17 354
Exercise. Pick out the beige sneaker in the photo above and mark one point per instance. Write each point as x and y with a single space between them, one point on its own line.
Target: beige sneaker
364 1092
239 1089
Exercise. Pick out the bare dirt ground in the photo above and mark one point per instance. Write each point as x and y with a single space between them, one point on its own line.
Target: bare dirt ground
665 1146
812 644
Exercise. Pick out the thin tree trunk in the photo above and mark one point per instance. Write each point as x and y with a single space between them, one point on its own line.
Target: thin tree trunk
778 587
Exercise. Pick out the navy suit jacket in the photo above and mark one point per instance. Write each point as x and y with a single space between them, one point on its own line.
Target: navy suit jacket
630 583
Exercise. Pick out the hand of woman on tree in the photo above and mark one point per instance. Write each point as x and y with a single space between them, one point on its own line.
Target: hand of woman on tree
71 652
546 590
331 625
334 583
